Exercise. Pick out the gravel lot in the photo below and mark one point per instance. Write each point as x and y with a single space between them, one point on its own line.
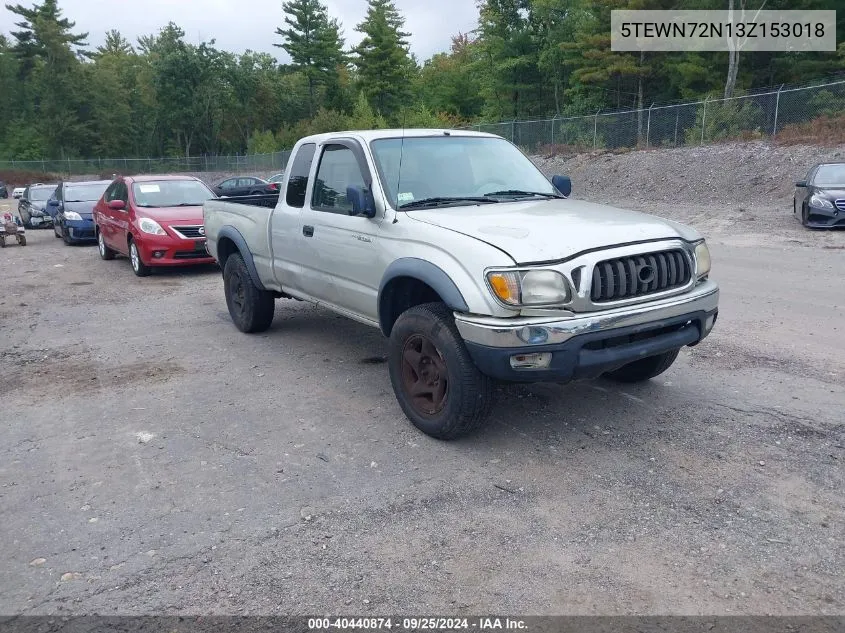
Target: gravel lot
156 460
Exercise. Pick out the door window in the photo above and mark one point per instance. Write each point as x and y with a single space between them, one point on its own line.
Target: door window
338 170
299 172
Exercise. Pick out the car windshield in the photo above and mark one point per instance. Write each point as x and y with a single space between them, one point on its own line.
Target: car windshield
831 176
451 170
171 193
85 193
41 193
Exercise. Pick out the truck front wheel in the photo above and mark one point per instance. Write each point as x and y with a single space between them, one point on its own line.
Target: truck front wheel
435 381
250 307
644 369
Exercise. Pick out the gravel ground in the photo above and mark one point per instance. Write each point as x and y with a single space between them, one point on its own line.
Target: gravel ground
155 460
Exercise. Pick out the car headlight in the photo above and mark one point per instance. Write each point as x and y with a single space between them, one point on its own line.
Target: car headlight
72 215
151 226
702 260
529 287
820 203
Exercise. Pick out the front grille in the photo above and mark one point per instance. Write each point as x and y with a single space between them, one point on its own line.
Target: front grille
190 255
840 204
638 275
190 232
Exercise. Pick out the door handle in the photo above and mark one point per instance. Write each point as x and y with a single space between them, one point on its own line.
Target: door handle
308 231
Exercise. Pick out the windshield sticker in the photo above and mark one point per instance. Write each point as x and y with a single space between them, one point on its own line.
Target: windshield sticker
406 197
149 188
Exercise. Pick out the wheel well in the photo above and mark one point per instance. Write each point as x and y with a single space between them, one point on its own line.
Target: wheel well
225 247
400 294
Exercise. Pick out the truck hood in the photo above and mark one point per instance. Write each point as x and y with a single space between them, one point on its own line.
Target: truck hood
548 230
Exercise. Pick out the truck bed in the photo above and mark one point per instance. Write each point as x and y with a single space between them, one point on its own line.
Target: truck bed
245 221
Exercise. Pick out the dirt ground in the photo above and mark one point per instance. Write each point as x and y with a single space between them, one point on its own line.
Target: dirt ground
156 460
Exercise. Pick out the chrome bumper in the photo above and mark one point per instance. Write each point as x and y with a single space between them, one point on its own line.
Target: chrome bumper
521 331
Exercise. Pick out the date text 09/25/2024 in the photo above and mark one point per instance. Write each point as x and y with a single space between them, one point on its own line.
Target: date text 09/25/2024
416 624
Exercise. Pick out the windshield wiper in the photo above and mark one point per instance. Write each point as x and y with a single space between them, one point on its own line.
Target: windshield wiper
188 204
520 193
444 200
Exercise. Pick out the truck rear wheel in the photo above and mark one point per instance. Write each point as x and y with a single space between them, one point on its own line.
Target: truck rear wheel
250 307
645 369
435 381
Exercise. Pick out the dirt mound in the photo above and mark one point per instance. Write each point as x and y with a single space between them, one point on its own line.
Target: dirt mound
749 173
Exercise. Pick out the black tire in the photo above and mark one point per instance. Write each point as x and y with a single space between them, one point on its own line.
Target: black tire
21 240
105 252
138 266
467 396
804 215
645 369
56 228
66 237
250 307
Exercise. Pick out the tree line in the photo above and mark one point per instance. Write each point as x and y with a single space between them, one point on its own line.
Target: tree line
163 96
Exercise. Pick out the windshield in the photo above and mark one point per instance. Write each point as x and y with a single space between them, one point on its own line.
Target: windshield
171 193
454 167
85 193
41 193
831 176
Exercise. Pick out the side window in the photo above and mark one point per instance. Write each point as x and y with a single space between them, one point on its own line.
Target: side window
810 175
108 196
338 170
299 171
227 184
123 192
59 194
245 182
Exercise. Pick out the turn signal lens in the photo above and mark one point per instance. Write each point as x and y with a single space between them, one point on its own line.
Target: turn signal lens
505 286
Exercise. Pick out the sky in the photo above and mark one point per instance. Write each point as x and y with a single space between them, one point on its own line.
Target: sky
238 25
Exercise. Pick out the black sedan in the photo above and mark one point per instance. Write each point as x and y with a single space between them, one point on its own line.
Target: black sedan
820 199
245 186
32 207
4 190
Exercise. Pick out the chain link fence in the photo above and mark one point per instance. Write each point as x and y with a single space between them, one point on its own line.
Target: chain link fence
275 162
764 114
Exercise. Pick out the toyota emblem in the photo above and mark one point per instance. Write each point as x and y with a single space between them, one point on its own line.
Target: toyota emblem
645 274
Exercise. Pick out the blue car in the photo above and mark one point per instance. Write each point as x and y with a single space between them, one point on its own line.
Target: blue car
72 210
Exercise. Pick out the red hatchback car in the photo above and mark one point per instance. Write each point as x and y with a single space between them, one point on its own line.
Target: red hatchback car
154 220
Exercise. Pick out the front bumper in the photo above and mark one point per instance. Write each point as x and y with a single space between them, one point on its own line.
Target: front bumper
164 250
589 345
80 230
825 218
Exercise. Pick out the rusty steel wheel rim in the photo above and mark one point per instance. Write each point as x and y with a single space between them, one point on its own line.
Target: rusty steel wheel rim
425 377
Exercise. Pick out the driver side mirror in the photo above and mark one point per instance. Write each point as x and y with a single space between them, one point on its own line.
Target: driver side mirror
52 202
563 184
801 183
117 205
362 201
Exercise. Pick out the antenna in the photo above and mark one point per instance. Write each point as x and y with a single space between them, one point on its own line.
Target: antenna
401 153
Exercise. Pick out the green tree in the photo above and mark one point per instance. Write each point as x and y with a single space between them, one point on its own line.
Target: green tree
314 43
384 64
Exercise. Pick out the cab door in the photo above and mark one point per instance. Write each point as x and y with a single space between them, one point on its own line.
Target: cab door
342 265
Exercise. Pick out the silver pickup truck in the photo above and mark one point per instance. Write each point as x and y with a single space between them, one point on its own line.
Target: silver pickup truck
474 265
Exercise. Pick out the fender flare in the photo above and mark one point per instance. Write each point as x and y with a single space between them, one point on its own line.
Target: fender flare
231 233
429 274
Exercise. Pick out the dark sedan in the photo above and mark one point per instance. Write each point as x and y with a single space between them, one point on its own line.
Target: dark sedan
72 210
245 186
32 207
820 199
4 190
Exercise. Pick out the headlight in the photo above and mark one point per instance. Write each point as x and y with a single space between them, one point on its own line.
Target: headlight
72 215
820 203
151 226
702 260
529 287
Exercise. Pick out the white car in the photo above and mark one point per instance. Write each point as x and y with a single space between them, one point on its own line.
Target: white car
17 192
